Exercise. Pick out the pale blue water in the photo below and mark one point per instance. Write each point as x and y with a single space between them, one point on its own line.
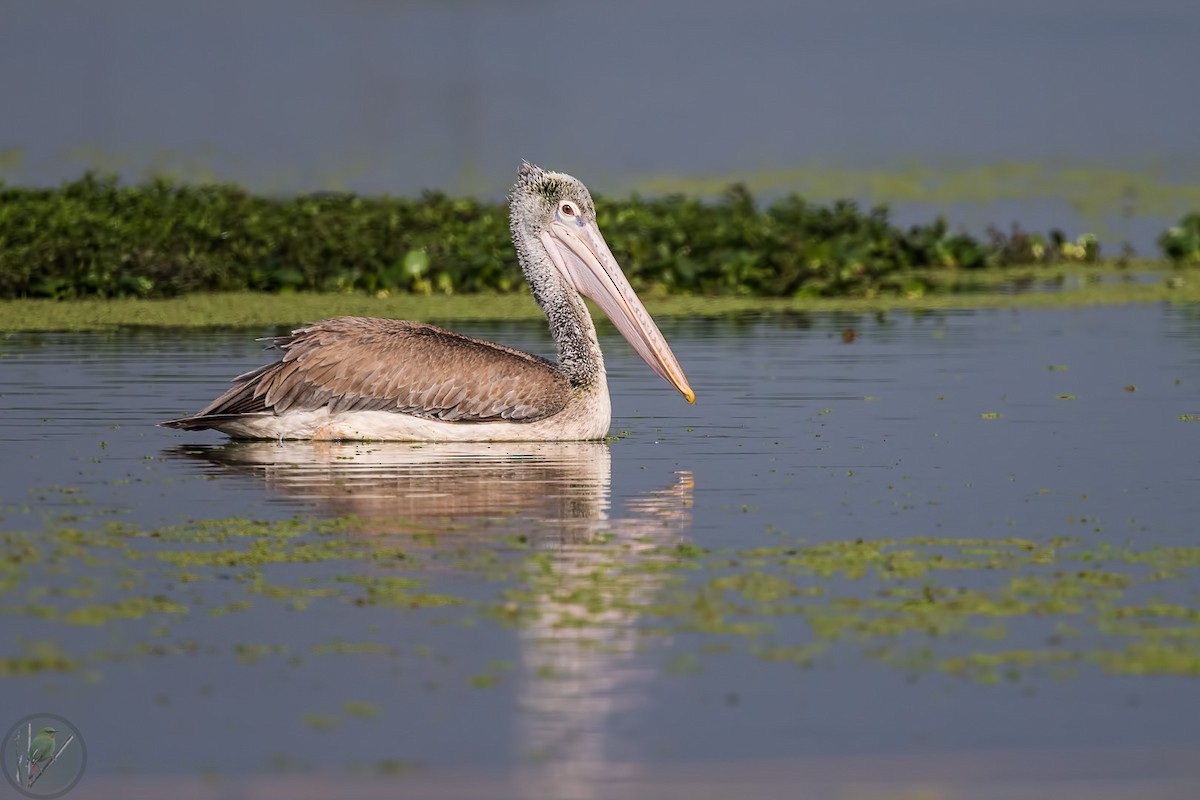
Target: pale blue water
827 427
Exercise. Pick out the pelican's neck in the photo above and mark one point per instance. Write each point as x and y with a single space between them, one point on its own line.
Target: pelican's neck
579 355
574 335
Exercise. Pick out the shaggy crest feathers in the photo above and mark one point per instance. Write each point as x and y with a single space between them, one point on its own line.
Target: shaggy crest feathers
550 187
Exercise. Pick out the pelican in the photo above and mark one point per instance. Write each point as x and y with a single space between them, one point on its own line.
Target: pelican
361 378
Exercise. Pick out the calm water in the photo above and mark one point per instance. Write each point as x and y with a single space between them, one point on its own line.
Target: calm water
556 627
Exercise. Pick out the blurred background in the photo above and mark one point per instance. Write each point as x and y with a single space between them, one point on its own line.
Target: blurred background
1077 114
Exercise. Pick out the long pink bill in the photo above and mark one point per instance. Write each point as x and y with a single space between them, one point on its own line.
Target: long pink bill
581 254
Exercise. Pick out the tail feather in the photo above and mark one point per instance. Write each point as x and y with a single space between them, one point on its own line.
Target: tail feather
200 422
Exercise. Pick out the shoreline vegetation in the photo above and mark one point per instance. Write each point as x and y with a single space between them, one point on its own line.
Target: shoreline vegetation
93 253
1008 288
96 237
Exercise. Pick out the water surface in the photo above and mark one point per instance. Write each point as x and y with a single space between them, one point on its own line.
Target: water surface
750 595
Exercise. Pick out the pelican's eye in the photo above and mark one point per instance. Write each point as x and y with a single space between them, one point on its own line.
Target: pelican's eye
567 210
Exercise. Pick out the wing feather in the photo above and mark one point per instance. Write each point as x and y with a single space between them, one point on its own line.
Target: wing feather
368 364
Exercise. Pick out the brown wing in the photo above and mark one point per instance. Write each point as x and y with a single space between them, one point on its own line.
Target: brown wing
367 364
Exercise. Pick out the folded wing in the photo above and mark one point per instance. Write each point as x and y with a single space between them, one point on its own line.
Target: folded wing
367 364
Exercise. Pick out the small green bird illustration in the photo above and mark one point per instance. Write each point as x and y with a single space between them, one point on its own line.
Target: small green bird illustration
41 749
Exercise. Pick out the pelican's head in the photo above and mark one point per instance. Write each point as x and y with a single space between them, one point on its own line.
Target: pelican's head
555 211
538 193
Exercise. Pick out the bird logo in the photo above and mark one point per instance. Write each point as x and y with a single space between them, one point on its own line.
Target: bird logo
43 755
41 752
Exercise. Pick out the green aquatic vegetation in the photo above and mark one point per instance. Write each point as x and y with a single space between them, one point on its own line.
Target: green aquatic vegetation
237 605
256 555
992 667
130 608
1181 243
353 708
253 653
352 648
94 237
396 592
255 310
832 626
1157 610
483 680
803 655
37 657
964 605
1166 561
1150 658
1147 630
221 530
260 552
1056 590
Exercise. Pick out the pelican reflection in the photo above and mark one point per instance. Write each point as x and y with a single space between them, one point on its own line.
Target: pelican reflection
389 483
581 662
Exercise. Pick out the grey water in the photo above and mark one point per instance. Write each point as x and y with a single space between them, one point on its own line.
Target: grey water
825 428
